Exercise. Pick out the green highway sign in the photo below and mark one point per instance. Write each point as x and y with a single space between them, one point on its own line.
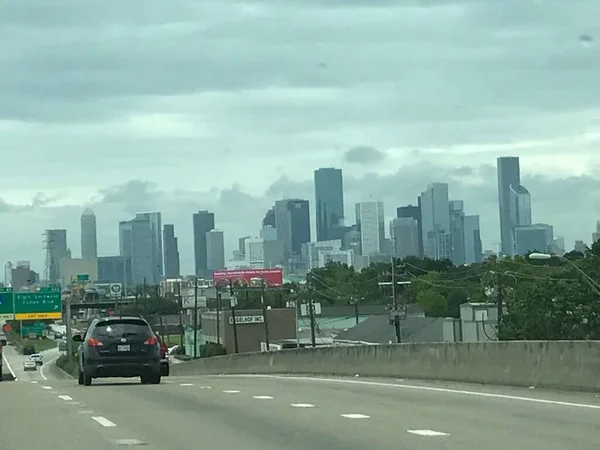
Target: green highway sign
7 311
36 328
45 304
83 277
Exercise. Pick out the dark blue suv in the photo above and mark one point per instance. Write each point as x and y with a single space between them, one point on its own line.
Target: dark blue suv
119 347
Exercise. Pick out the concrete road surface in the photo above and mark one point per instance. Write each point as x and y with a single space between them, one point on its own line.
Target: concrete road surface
292 413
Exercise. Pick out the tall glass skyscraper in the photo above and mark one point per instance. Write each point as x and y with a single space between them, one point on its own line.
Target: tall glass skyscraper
204 222
89 240
329 202
292 222
436 222
509 174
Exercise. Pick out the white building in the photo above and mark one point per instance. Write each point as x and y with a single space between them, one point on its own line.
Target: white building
371 226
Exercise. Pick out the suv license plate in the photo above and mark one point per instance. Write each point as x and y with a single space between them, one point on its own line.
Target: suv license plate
123 348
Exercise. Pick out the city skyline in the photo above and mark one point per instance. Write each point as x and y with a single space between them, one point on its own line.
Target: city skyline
402 210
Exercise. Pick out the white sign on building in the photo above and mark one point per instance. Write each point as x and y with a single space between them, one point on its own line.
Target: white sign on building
243 320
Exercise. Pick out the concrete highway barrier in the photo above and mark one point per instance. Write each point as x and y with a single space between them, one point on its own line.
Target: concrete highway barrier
568 365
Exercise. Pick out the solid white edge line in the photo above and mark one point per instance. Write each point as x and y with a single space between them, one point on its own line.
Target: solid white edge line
424 388
44 365
355 416
103 421
10 369
302 405
263 397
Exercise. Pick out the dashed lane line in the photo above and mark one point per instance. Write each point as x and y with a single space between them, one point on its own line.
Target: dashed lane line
104 421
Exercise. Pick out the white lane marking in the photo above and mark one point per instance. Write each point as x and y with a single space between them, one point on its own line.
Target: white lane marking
205 387
355 416
103 421
48 388
34 382
427 388
86 412
44 365
302 405
65 397
10 369
231 392
263 397
129 442
186 384
427 433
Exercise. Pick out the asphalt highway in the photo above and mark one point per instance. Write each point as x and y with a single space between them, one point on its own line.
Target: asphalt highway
293 413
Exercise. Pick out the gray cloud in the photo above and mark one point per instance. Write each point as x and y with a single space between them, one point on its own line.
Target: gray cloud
364 154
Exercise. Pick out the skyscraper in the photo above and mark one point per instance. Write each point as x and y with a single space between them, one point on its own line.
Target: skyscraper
56 249
155 221
509 174
203 222
89 240
215 250
473 246
457 219
404 232
137 243
435 222
329 201
413 212
171 258
292 223
371 227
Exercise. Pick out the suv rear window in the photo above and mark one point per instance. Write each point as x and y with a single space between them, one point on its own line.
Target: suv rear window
122 327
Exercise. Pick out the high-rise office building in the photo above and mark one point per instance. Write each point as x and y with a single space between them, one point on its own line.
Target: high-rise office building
457 226
404 232
329 202
89 239
215 250
171 244
114 269
155 221
596 234
509 174
413 212
435 222
269 219
534 238
472 236
203 222
292 222
371 227
56 248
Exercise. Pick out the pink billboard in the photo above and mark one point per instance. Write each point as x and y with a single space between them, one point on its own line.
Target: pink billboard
248 277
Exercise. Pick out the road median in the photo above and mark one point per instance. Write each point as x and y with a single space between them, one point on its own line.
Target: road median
567 365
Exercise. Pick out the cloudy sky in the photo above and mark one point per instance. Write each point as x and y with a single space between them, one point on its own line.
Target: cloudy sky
137 105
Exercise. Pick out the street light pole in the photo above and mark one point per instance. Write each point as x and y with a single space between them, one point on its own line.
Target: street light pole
233 318
196 318
265 313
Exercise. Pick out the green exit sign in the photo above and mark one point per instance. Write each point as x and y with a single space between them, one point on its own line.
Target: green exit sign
83 277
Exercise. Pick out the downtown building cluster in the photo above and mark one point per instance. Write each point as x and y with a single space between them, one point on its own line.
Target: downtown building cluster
435 226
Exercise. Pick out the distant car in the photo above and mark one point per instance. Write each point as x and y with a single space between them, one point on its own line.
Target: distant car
29 364
37 358
119 347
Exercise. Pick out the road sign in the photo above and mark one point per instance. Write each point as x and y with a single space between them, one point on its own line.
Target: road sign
35 328
83 277
46 304
6 305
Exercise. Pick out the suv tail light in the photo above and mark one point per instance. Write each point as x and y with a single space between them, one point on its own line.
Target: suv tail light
94 343
151 341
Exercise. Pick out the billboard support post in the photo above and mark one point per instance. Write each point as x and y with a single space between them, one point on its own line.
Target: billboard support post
265 313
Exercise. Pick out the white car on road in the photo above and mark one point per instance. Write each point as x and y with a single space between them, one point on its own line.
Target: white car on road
37 358
29 364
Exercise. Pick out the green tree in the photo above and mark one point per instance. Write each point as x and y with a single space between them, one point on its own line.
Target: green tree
433 303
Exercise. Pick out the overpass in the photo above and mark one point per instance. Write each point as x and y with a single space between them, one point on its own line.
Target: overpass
101 304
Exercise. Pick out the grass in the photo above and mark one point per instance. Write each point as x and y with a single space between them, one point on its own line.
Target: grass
172 339
68 364
39 344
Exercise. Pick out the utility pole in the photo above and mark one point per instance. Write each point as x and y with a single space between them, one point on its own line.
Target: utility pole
500 304
68 326
235 332
311 313
395 304
180 301
196 318
218 316
265 313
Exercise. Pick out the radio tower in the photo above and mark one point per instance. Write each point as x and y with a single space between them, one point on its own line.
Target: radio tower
48 259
